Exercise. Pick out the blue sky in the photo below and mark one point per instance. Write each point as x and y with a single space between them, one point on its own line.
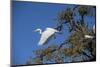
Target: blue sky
28 16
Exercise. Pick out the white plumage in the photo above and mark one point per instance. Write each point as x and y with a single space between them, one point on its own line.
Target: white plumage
46 35
88 36
93 28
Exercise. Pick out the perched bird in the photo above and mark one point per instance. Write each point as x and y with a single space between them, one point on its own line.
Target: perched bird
45 35
89 36
93 28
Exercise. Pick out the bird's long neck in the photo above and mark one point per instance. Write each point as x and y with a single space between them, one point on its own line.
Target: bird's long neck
40 31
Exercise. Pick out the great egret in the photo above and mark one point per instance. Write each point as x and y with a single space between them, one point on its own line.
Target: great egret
89 36
93 28
48 33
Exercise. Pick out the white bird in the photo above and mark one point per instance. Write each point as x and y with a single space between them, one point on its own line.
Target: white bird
93 28
88 36
48 33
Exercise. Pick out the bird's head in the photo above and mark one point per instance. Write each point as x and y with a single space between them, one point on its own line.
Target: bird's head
38 30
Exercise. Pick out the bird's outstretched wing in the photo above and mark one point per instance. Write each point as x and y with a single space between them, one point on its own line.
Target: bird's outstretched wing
45 36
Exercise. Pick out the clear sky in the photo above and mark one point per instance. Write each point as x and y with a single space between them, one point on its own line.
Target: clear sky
28 16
